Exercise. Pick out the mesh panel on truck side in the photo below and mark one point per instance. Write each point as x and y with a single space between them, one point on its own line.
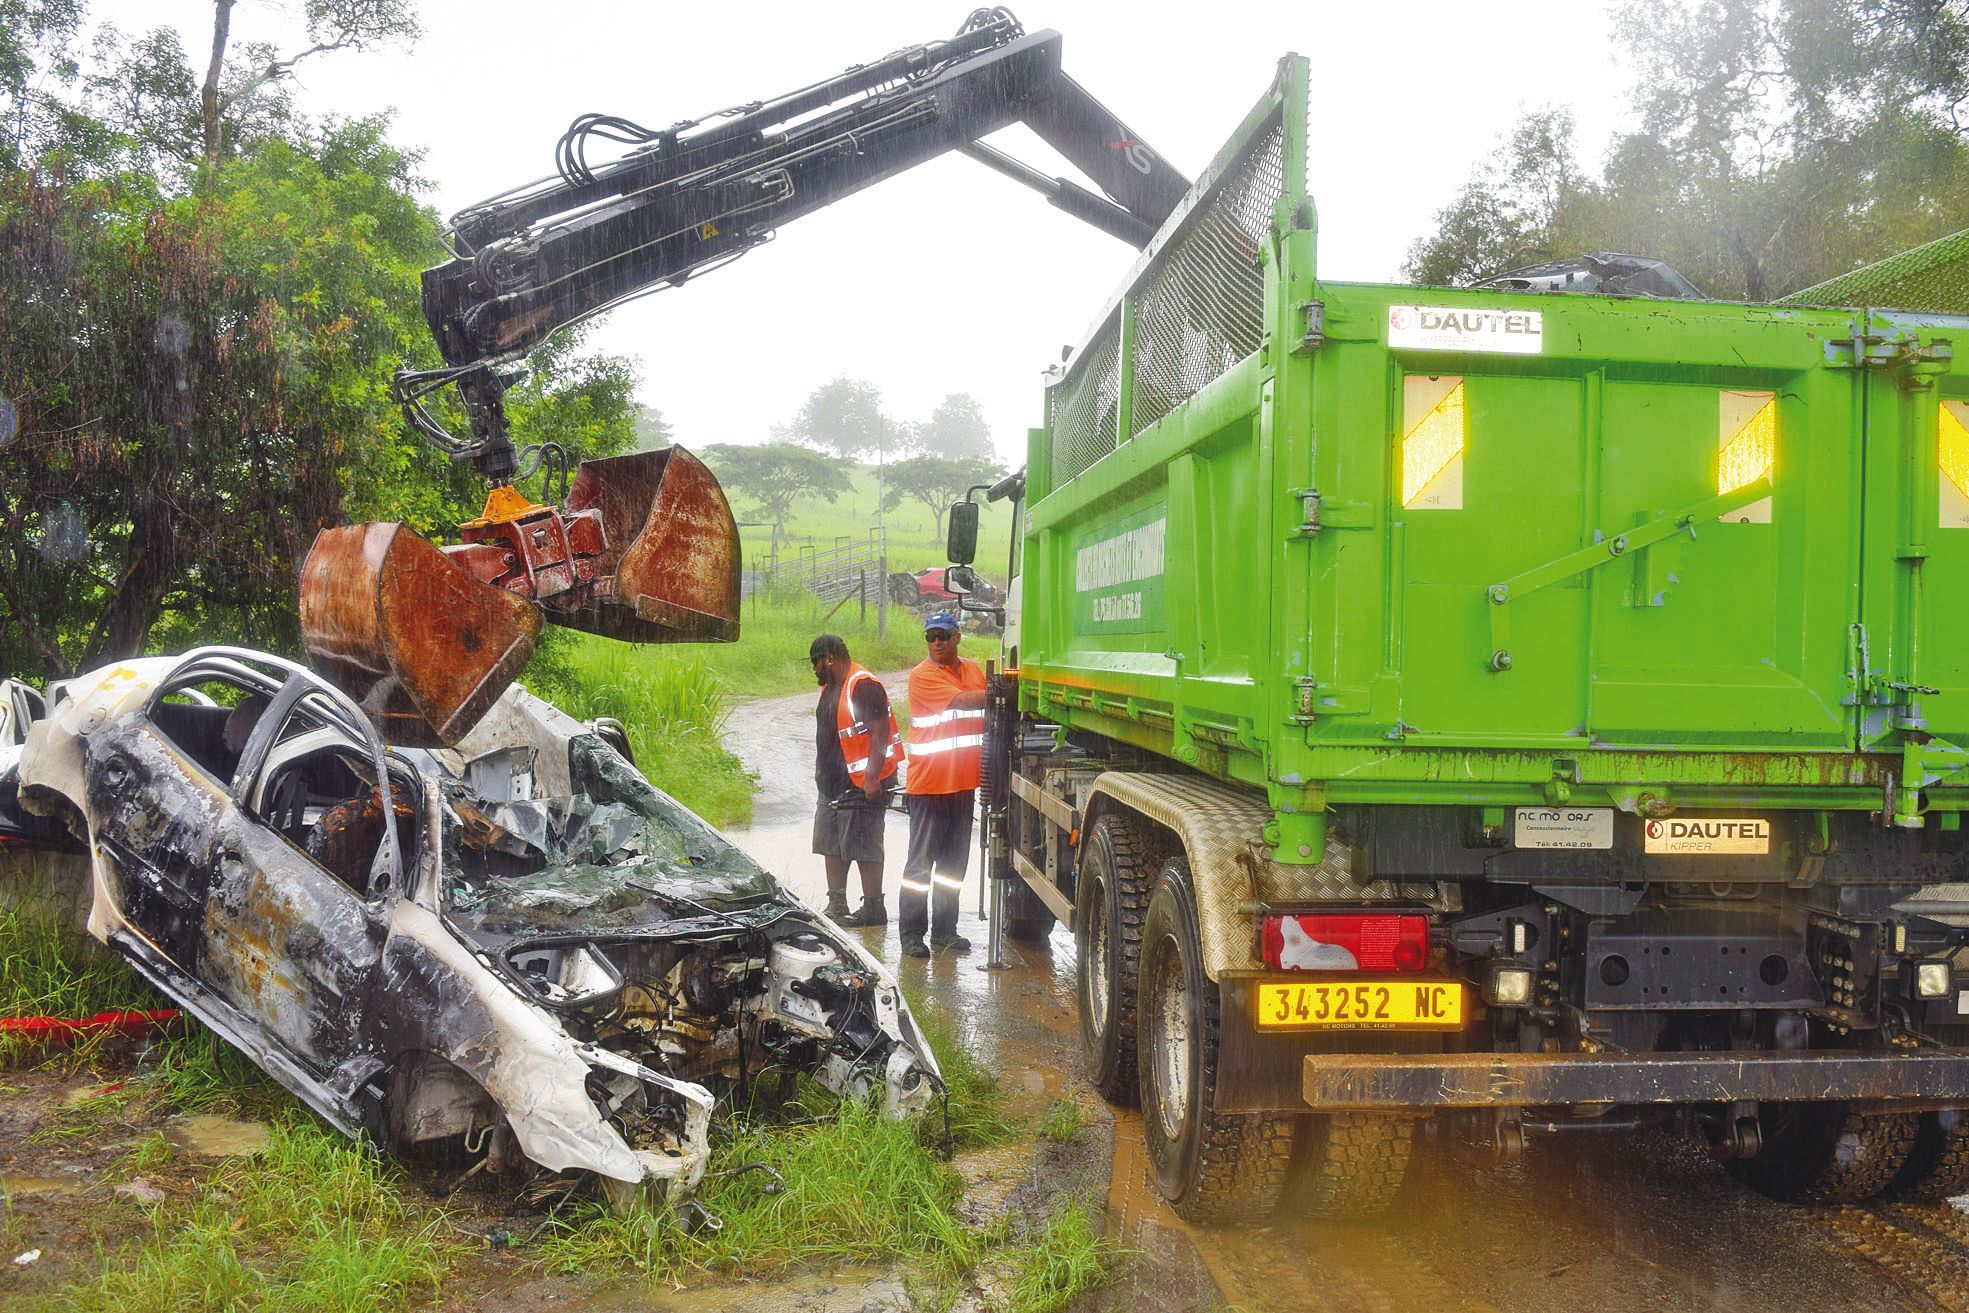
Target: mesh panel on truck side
1933 278
1201 309
1083 408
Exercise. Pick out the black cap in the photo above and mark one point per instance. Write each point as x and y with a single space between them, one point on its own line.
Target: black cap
827 645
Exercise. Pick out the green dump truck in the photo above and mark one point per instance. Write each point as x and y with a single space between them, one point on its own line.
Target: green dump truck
1516 711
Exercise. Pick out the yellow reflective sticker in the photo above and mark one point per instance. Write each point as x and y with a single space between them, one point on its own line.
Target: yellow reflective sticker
1432 443
707 231
1747 447
1952 453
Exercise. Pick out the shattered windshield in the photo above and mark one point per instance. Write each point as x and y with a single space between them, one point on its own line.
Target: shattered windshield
614 854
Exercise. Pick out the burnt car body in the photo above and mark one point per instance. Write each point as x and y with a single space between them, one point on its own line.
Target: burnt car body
517 946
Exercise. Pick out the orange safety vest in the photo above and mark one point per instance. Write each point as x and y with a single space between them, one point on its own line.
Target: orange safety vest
854 735
946 743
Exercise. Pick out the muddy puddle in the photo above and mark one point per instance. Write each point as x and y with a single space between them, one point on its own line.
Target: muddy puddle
208 1135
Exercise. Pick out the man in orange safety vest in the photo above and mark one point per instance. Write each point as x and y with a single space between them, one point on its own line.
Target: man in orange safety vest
857 752
946 752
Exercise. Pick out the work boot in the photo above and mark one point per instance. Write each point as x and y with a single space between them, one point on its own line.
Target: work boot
868 915
915 948
837 907
955 944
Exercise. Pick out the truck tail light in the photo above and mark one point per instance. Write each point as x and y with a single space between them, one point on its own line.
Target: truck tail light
1322 942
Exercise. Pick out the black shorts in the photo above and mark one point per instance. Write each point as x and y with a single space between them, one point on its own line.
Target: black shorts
851 833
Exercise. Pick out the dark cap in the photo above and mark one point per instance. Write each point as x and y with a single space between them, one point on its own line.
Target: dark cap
827 645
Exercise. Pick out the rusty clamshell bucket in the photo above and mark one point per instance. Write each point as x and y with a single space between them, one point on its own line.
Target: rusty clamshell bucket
427 638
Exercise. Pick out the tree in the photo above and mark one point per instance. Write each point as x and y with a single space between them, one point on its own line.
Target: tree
844 416
956 430
331 25
937 481
1776 143
776 475
652 430
196 383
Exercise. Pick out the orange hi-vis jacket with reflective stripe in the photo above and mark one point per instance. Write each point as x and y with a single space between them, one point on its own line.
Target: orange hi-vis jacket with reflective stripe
854 735
946 743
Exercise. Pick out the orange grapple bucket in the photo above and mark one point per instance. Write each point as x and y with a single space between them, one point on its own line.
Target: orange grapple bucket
426 642
670 572
423 645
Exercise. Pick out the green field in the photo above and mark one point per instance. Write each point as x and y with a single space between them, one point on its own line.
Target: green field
912 534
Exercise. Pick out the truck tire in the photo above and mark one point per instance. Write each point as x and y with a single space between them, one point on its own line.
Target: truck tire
1349 1164
1210 1166
904 590
1111 896
1026 918
1938 1165
1825 1153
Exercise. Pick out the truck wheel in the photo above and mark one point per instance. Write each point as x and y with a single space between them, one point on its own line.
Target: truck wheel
1111 896
1210 1166
1349 1164
1026 918
1824 1153
1938 1166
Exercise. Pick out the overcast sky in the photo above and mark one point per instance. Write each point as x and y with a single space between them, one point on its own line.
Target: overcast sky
949 278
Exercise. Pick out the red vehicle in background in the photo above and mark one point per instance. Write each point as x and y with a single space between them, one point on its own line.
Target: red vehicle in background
926 587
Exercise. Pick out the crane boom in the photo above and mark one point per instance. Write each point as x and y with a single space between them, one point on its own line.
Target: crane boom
643 547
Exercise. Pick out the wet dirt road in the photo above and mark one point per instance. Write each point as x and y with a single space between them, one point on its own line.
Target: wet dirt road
1616 1220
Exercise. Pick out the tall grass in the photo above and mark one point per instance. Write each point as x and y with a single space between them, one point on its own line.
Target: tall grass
1068 1258
673 705
48 968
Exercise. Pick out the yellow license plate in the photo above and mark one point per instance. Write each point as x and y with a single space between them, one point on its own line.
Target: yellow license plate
1361 1004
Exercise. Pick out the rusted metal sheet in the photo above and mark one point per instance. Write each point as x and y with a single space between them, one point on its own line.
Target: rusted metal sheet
1344 1082
670 571
421 644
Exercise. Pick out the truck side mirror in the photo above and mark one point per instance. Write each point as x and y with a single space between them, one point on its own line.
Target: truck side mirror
960 579
962 546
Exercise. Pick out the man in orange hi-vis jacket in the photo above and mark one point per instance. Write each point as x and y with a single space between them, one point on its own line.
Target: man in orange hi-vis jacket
857 753
946 752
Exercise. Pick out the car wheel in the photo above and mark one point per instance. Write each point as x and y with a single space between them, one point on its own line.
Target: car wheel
903 590
1111 895
1210 1166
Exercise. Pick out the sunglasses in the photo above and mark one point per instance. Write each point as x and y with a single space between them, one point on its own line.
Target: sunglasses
938 635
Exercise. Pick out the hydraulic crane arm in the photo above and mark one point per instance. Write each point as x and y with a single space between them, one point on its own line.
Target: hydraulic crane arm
643 547
702 192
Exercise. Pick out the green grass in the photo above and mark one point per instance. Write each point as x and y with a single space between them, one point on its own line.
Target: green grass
857 1188
1064 1123
977 1104
49 969
1068 1258
912 532
312 1222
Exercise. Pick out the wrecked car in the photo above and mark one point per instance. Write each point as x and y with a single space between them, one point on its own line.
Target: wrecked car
516 951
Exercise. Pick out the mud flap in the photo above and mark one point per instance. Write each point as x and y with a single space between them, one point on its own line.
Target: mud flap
670 572
418 641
